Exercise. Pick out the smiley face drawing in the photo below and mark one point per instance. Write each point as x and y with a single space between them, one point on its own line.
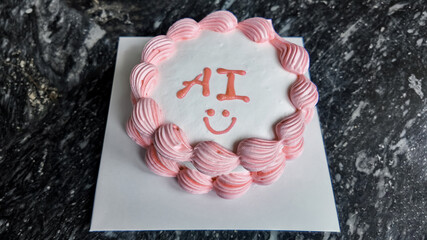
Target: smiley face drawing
225 113
230 94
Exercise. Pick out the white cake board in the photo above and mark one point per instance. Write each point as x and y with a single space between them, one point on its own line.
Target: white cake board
130 197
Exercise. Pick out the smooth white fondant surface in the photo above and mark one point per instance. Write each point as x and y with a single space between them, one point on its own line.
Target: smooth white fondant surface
266 83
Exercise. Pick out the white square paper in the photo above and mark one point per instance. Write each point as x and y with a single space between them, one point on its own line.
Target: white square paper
130 197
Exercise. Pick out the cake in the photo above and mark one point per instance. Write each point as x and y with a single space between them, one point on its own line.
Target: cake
221 105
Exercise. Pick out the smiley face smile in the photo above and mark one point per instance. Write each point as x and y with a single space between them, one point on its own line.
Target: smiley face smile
225 113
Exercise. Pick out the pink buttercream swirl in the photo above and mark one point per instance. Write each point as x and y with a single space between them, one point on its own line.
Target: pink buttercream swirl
167 144
212 159
303 93
308 114
221 21
293 58
257 154
171 143
159 165
232 185
258 29
270 174
140 139
184 29
290 130
295 149
146 116
157 49
194 181
143 79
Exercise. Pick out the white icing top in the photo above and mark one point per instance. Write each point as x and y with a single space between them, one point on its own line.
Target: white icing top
266 83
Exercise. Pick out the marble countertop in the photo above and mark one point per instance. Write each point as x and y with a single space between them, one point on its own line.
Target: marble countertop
368 60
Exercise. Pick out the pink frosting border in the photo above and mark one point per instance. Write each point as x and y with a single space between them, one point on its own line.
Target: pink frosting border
166 143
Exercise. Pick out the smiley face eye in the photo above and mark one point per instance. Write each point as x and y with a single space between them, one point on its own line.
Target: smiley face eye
210 112
225 113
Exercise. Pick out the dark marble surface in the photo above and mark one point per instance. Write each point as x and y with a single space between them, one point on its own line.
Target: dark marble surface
368 60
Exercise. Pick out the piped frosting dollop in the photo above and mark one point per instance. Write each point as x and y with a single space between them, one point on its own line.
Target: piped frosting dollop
212 159
293 58
221 21
143 79
232 185
257 154
258 29
159 165
303 93
146 116
158 49
270 174
140 139
171 143
194 181
184 29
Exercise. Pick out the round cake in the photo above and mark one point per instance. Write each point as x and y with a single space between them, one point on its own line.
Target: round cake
221 105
